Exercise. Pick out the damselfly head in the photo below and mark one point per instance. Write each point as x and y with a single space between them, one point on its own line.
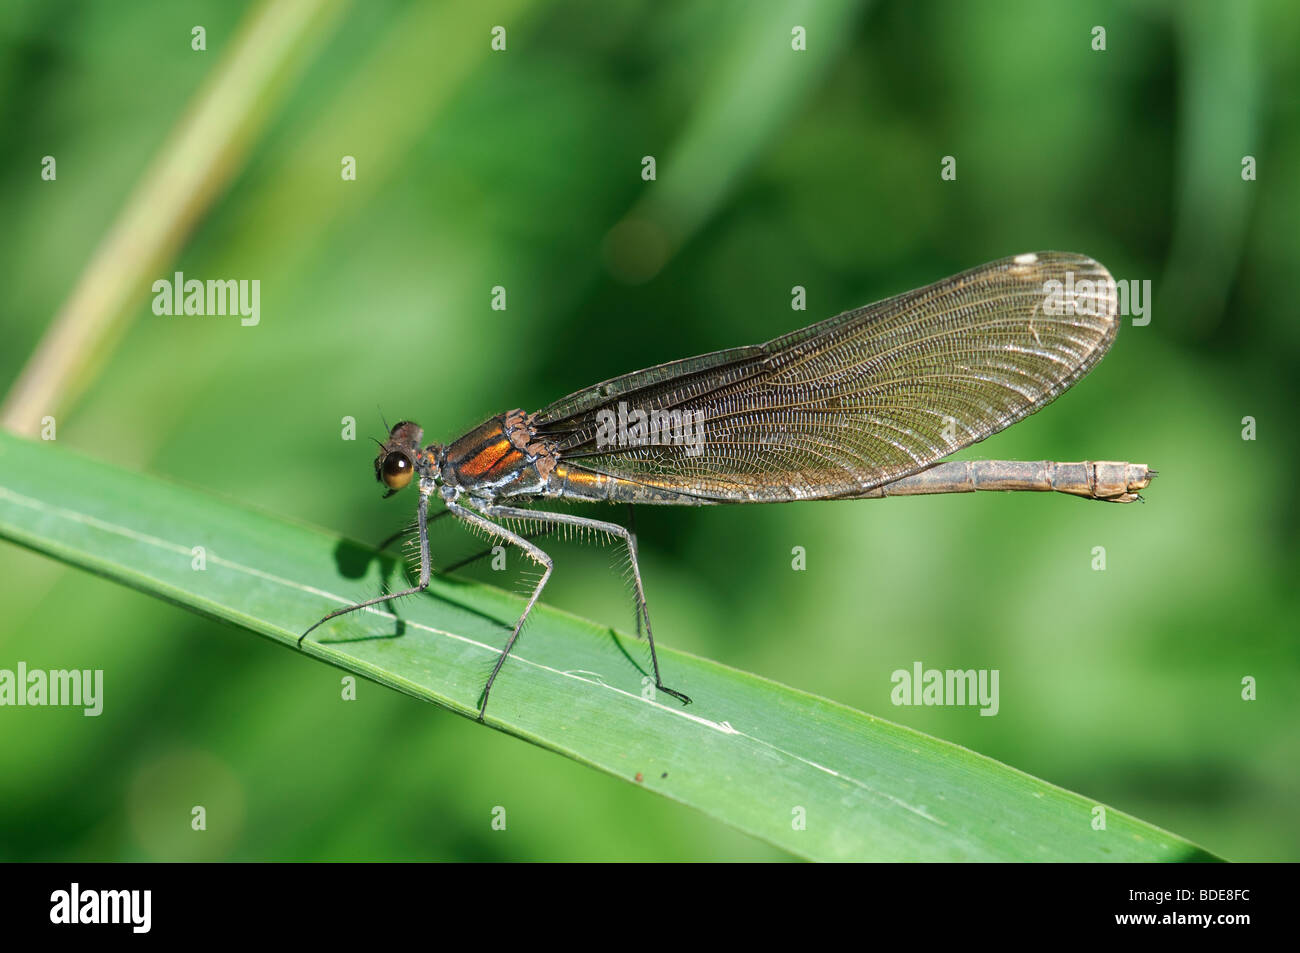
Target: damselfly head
395 464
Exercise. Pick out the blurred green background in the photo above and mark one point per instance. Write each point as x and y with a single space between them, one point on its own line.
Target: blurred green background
775 168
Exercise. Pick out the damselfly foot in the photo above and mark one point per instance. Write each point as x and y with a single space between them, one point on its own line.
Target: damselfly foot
684 699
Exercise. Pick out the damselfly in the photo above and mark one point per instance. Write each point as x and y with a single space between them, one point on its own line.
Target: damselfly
860 406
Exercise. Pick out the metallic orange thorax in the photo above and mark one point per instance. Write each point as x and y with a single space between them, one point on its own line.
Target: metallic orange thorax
500 457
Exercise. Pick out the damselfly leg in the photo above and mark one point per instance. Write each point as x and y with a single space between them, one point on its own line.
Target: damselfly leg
533 552
609 529
426 572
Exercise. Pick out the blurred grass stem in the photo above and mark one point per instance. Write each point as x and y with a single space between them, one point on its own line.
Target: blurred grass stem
210 143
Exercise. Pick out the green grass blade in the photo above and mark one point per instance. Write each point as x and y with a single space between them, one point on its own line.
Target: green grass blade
750 752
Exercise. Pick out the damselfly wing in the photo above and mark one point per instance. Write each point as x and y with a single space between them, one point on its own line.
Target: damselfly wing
857 401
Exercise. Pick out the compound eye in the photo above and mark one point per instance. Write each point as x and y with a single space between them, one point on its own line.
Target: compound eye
397 470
